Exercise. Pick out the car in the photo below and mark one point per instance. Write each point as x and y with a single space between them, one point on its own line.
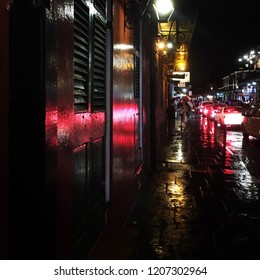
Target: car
209 110
234 102
229 116
202 104
251 122
206 111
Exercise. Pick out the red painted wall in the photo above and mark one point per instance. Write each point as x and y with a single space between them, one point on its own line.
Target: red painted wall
73 147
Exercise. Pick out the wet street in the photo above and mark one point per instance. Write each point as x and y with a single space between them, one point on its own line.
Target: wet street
203 200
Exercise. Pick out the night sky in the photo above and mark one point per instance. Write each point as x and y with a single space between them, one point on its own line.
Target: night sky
224 31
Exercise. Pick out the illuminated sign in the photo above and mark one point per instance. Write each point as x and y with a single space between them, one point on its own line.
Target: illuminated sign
183 77
181 84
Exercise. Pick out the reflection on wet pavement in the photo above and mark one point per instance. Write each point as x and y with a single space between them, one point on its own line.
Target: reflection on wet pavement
203 201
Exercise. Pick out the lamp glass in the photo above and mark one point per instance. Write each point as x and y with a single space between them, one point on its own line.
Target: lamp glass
163 6
169 45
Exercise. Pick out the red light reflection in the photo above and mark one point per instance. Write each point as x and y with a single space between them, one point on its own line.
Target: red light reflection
208 132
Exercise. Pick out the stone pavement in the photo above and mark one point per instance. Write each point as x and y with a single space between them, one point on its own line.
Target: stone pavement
173 220
183 212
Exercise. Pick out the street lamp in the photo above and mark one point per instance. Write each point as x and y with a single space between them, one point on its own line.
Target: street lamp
163 9
134 11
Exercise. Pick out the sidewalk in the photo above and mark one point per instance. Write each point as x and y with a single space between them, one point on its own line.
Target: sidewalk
173 222
166 221
189 209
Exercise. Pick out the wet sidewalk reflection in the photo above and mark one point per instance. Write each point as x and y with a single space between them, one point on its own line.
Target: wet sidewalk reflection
203 201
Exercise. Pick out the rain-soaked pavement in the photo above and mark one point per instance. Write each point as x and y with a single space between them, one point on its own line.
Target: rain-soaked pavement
203 200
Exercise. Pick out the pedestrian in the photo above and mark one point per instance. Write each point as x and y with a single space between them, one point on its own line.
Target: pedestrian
188 111
183 113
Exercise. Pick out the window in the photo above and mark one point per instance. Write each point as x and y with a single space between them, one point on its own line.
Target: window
99 65
81 55
89 45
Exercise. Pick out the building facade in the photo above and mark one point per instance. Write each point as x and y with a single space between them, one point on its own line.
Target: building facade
244 84
82 102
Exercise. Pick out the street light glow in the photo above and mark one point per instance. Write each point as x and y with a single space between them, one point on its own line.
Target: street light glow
169 45
163 7
161 45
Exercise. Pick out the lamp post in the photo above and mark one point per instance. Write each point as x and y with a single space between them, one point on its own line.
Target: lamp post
173 32
134 11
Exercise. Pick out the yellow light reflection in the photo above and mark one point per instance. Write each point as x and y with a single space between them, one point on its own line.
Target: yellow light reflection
161 45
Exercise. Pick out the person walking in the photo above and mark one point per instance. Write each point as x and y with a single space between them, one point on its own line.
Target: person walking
183 113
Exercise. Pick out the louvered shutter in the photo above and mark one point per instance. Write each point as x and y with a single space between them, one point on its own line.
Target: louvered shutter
99 65
81 56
